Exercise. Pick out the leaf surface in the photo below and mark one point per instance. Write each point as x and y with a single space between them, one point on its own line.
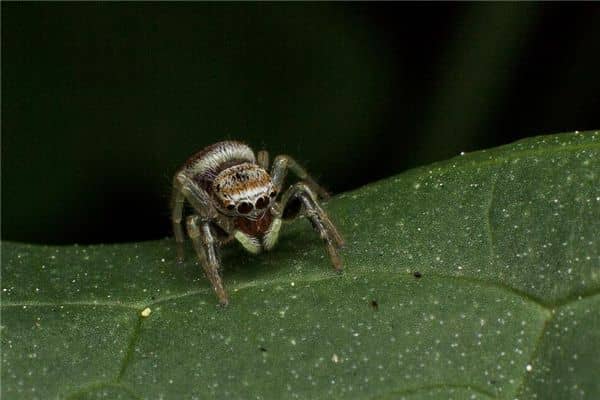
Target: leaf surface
476 277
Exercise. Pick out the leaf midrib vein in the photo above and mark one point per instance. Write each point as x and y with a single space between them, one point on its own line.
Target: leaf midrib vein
139 305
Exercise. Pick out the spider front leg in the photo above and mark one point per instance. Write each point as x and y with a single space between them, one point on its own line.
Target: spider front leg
318 218
207 246
176 214
185 188
279 171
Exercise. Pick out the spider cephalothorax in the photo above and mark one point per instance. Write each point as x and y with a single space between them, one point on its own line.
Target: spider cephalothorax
244 190
233 196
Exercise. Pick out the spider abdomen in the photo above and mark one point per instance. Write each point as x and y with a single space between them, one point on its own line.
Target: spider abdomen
208 163
212 157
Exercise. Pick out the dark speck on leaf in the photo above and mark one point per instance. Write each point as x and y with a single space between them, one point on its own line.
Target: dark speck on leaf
417 274
374 305
263 349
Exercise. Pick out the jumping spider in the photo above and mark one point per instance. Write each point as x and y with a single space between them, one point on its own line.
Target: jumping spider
234 197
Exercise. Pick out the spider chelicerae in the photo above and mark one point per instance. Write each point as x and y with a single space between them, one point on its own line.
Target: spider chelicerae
234 197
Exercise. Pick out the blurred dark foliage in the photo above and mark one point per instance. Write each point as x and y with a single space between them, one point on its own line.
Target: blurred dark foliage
102 101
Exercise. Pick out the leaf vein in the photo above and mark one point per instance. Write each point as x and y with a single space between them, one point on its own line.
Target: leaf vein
94 303
488 222
130 348
536 349
316 278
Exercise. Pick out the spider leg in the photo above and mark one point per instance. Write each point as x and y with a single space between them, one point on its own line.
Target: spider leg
196 196
312 215
184 188
279 171
262 158
177 200
318 219
301 188
206 247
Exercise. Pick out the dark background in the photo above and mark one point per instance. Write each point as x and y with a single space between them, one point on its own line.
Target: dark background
101 102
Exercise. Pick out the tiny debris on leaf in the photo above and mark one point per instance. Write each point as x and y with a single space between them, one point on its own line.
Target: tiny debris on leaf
146 312
374 305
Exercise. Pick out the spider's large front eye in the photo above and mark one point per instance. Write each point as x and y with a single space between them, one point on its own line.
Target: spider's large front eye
244 207
262 202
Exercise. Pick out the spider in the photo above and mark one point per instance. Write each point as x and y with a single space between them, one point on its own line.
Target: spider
233 197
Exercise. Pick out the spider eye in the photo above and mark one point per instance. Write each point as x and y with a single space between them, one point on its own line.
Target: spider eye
244 207
262 202
273 193
230 207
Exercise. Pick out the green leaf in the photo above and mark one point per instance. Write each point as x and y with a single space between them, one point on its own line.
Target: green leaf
476 277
